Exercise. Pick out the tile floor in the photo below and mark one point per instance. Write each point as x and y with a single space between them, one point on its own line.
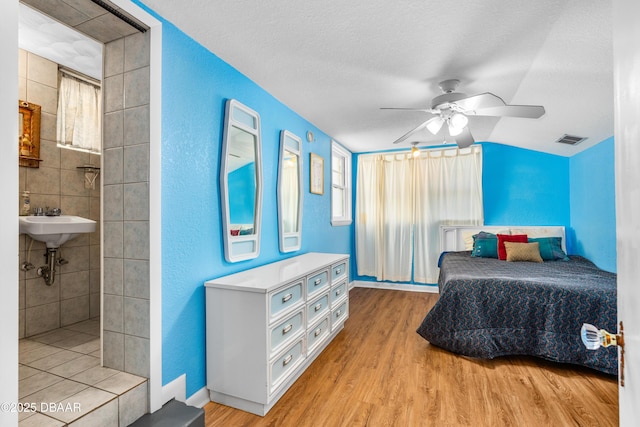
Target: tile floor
61 378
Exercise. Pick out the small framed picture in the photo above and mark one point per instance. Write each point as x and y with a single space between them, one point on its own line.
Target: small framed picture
316 174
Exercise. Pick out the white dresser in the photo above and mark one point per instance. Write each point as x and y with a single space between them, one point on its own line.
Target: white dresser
267 324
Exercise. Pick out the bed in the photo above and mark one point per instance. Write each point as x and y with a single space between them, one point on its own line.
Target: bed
490 307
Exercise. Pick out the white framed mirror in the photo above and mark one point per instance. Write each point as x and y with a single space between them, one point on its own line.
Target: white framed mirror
241 182
290 192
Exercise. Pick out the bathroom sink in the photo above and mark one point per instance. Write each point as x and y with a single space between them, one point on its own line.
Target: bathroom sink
55 230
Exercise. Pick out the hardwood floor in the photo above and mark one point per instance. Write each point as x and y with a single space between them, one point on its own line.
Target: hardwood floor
379 372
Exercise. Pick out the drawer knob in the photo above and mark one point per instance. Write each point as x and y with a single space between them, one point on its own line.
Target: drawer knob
317 282
318 307
317 332
338 313
338 271
287 359
287 328
287 297
338 292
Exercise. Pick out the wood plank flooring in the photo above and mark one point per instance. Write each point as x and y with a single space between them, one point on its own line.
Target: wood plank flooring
379 372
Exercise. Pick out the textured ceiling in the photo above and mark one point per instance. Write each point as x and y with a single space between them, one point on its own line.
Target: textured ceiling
50 39
87 17
337 62
72 32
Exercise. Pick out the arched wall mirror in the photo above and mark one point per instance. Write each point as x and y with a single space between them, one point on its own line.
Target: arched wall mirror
241 182
290 192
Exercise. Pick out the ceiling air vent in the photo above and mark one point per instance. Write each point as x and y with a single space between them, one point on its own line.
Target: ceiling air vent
570 139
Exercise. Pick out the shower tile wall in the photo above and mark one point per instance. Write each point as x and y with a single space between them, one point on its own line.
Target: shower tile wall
126 205
75 295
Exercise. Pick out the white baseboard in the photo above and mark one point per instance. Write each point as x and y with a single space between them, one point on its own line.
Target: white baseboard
395 286
199 398
176 389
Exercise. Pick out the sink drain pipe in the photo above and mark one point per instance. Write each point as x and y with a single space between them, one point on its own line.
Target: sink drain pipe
48 272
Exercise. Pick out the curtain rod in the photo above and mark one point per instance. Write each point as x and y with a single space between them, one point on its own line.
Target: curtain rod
80 76
429 151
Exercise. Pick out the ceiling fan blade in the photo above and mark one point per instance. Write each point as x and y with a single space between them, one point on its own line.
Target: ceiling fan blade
408 134
483 100
524 111
465 139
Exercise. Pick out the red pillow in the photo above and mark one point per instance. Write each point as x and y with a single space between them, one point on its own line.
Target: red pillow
517 238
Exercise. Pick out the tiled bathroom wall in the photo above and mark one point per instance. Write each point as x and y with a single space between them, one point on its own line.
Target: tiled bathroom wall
75 294
126 205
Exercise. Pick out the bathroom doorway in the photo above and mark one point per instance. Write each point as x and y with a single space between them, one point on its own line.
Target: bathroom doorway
59 287
123 194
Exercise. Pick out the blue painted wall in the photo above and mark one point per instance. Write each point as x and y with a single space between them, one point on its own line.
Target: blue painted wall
593 211
195 86
525 187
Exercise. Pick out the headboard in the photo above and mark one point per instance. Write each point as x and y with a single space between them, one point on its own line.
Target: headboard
459 237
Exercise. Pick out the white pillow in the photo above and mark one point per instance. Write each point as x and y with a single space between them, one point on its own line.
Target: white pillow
538 232
467 236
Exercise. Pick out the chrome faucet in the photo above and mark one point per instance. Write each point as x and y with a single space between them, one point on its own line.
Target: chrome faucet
54 212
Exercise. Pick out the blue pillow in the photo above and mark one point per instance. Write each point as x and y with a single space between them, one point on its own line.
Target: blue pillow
550 248
246 231
485 245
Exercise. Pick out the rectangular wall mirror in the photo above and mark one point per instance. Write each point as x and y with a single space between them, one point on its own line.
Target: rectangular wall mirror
290 192
241 182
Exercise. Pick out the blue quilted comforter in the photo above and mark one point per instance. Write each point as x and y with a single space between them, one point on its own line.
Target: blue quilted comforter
490 308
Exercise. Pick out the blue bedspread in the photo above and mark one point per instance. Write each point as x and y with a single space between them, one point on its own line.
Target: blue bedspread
490 308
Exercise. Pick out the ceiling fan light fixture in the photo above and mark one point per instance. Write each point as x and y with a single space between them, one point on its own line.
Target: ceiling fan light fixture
454 131
435 124
458 120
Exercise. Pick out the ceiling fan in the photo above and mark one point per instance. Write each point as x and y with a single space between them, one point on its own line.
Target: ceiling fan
452 108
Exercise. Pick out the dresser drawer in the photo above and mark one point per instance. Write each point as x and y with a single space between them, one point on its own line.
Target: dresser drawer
285 364
339 315
286 330
338 271
317 308
318 282
338 292
317 334
286 298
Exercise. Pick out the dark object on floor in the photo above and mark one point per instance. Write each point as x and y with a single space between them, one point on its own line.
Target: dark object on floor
173 414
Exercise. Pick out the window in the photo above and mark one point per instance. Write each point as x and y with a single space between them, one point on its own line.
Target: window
402 201
79 114
340 185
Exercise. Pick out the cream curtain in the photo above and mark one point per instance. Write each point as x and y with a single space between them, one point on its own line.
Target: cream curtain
384 207
79 115
400 203
368 216
448 191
